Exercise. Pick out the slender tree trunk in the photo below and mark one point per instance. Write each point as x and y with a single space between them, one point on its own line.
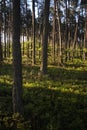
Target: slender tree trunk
82 53
45 38
17 59
69 40
75 36
4 29
75 39
54 30
5 49
1 56
23 44
86 31
66 42
9 44
59 35
33 27
9 29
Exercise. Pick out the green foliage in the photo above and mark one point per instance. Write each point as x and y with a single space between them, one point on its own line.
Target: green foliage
14 122
57 101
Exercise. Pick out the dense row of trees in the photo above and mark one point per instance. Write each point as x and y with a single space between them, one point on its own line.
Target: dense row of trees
65 16
54 30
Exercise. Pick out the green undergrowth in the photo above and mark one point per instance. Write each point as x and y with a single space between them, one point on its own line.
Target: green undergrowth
56 101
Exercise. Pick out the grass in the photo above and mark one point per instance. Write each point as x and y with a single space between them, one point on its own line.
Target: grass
57 101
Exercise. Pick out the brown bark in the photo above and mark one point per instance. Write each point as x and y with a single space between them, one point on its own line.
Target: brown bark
45 38
54 30
59 35
86 28
33 28
1 55
17 60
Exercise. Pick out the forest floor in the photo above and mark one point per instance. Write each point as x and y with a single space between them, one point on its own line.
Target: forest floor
57 101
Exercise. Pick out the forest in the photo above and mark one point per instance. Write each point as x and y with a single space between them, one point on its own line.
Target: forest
43 64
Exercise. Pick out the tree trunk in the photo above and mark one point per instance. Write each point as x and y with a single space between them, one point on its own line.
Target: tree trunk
75 40
86 32
33 28
1 56
66 44
59 35
17 60
45 38
5 49
54 30
23 44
